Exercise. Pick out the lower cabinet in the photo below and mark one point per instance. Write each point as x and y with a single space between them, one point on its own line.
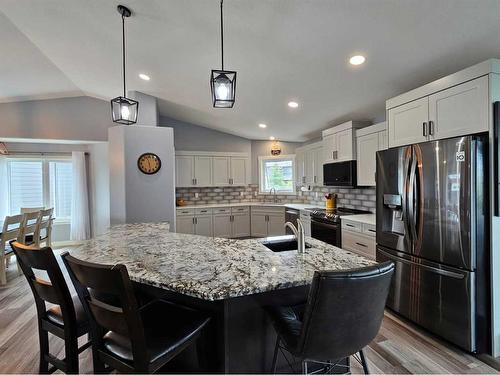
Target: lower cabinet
241 225
222 226
268 221
359 238
185 224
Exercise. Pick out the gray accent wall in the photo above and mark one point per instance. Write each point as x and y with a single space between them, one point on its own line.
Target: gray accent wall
263 148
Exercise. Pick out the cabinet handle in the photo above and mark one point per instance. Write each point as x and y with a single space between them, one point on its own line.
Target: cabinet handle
361 244
315 179
431 127
371 230
193 220
192 181
424 129
349 225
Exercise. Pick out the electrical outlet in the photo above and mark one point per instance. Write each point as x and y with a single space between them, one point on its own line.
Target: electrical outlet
196 195
242 193
316 194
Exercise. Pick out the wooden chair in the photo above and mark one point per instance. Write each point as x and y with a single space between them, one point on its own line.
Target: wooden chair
125 337
43 230
67 320
10 231
28 227
26 210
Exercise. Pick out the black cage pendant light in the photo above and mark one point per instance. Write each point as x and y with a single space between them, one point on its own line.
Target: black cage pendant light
123 109
223 82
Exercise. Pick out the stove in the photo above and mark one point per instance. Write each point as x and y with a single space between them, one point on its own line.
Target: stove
325 224
334 215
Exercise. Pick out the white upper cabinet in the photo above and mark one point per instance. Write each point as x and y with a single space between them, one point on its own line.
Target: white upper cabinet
369 140
318 166
239 171
202 170
309 164
459 110
339 142
184 171
407 123
309 160
300 166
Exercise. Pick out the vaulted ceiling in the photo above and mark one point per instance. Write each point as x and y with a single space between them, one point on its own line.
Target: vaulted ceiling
282 49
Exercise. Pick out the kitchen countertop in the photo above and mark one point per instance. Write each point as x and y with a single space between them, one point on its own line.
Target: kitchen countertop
210 268
297 206
363 218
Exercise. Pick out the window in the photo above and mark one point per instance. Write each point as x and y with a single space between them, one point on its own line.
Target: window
40 182
277 172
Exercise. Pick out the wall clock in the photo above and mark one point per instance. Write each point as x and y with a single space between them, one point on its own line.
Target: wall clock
149 163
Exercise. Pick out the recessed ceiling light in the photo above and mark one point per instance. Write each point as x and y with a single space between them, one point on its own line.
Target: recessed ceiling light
144 77
263 126
357 60
272 138
293 104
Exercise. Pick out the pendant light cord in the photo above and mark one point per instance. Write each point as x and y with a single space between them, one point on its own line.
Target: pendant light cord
123 45
221 35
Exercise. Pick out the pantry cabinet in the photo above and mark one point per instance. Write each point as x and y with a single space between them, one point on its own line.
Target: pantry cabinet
369 140
458 110
205 169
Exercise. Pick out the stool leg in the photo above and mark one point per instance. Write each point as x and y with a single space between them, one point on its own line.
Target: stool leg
363 362
44 350
275 355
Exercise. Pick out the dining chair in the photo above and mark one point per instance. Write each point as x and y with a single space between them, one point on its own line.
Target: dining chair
126 337
28 227
43 230
342 315
67 320
25 210
10 231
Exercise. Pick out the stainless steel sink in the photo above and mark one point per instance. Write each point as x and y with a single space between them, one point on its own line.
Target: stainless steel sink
282 243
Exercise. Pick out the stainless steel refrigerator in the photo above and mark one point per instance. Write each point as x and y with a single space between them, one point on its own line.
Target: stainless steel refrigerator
432 222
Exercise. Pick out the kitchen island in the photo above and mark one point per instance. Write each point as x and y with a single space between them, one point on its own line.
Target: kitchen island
230 279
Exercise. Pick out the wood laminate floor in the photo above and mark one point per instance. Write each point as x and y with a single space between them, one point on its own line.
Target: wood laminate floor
398 348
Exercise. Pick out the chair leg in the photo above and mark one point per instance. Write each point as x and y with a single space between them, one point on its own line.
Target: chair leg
71 351
3 272
44 350
363 362
275 355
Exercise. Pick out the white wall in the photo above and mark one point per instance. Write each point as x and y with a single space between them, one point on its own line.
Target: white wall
99 187
136 197
148 108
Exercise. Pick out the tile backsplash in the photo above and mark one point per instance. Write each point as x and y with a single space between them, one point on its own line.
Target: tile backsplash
362 199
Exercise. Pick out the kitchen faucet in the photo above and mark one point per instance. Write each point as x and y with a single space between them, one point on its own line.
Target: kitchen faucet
273 191
299 234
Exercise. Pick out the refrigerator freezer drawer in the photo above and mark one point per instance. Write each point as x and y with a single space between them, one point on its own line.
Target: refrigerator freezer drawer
438 298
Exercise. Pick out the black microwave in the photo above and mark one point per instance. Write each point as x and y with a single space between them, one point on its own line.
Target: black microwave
340 174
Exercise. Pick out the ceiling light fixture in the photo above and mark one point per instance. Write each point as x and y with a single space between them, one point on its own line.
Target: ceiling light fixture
263 126
357 60
223 82
293 104
271 138
124 110
145 77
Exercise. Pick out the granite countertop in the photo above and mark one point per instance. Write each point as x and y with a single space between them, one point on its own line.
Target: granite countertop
210 268
297 206
363 218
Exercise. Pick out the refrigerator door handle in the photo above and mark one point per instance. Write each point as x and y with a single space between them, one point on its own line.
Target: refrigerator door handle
404 205
439 271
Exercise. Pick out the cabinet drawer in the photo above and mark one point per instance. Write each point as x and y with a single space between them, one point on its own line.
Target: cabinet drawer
352 225
369 230
268 209
358 243
240 210
185 211
222 210
203 211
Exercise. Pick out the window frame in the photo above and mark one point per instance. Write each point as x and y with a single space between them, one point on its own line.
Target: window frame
263 159
46 192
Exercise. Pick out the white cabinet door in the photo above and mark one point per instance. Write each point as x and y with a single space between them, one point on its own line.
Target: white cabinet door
329 148
309 166
241 225
406 123
459 110
202 170
345 146
276 225
184 171
382 140
203 226
184 224
221 170
259 224
222 226
367 146
318 166
239 171
301 169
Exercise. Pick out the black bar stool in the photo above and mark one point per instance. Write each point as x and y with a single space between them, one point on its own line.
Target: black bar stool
125 337
66 320
343 314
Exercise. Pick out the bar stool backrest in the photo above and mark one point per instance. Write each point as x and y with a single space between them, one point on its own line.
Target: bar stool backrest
344 311
107 295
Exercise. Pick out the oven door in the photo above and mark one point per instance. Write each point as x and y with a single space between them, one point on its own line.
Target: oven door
326 232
